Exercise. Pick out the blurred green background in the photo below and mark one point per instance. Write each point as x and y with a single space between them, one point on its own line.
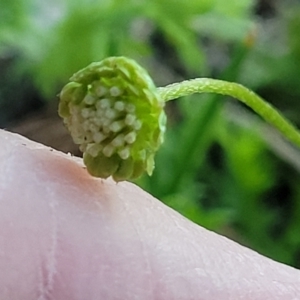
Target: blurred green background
221 166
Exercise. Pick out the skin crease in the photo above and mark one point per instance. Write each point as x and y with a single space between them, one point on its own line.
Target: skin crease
65 235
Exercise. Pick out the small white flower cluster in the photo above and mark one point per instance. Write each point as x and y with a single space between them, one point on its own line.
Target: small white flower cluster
104 123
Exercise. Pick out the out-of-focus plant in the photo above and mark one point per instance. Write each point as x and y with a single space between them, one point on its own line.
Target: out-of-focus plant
277 41
54 40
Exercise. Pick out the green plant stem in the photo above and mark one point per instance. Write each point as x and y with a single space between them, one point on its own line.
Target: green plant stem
235 90
195 141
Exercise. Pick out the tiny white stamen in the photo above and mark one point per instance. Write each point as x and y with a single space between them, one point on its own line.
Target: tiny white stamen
124 153
74 110
93 127
89 99
78 140
97 121
103 103
98 106
130 108
130 137
106 121
82 147
118 141
85 125
93 149
101 90
115 91
116 126
137 125
129 119
108 150
85 113
100 112
106 130
110 114
98 137
119 105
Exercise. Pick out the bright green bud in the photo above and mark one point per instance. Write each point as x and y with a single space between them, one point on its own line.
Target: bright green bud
114 112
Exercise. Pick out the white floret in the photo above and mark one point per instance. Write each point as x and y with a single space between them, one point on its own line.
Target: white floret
100 112
98 137
116 126
119 105
115 91
93 127
129 119
118 141
106 122
85 113
124 153
130 108
89 99
106 130
85 125
130 137
103 103
137 125
108 150
93 149
110 114
101 91
98 121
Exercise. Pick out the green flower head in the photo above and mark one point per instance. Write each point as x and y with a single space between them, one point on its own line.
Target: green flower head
114 112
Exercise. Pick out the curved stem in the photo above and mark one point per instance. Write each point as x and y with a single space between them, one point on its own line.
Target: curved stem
235 90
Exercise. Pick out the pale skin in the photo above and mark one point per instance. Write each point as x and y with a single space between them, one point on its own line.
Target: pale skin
65 235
